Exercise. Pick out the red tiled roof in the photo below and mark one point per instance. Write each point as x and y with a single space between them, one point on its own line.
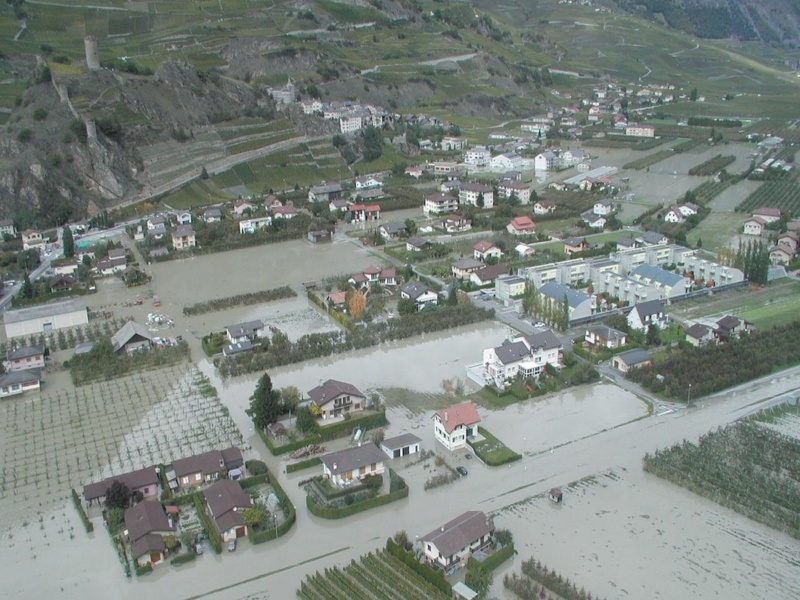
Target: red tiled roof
461 414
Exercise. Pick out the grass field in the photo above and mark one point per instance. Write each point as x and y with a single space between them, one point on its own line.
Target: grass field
716 230
197 193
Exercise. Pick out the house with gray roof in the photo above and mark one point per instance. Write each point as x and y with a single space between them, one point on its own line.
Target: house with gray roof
401 445
249 330
630 359
698 335
351 465
450 545
419 293
19 382
667 283
652 238
647 313
25 357
325 192
335 398
131 338
465 267
144 481
580 304
208 466
524 356
604 336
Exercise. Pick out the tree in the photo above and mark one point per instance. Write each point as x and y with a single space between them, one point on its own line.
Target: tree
372 143
411 226
305 421
406 306
452 294
357 304
264 403
290 398
693 95
479 580
255 515
118 495
378 436
27 288
480 201
653 335
68 242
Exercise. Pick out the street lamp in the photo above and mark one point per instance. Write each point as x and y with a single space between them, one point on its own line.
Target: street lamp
689 395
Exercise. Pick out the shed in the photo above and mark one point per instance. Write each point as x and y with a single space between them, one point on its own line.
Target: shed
462 590
132 337
401 445
556 495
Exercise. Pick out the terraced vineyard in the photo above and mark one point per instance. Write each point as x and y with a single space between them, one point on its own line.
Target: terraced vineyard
784 195
378 576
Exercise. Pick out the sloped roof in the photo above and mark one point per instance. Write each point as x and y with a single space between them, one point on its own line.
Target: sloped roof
461 414
152 542
25 352
21 377
647 309
483 246
350 459
660 276
132 480
146 517
212 461
401 441
129 331
331 389
414 289
634 357
510 352
557 292
523 222
224 498
460 532
542 340
491 272
246 328
697 331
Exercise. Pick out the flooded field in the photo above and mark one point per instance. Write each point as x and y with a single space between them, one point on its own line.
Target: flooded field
625 534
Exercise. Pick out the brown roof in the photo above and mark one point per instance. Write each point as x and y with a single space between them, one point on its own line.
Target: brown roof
133 480
483 246
146 517
354 458
522 223
460 532
728 322
212 461
331 389
491 272
225 499
461 414
767 211
697 331
152 542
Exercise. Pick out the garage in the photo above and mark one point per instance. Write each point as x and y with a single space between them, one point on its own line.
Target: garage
402 445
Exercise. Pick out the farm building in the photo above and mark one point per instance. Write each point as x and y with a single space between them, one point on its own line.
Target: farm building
45 318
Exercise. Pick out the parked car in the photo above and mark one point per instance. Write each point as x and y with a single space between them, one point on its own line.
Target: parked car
539 324
198 548
461 471
232 545
468 456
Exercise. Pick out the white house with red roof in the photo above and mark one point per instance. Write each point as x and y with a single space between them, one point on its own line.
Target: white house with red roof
523 225
768 214
486 249
364 212
452 426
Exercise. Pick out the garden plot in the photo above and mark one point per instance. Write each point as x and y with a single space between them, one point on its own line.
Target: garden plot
62 440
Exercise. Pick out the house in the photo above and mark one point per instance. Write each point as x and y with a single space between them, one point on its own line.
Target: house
593 220
241 207
439 203
450 545
32 239
388 276
688 209
647 313
729 327
25 357
183 237
283 212
184 218
523 225
212 215
476 194
367 182
507 287
352 465
450 186
146 525
478 156
630 359
487 274
674 215
110 266
603 208
417 244
698 335
754 226
543 207
574 156
132 338
790 239
667 283
605 337
237 348
401 445
335 398
415 172
337 299
364 212
225 502
465 267
506 162
453 143
768 214
252 225
524 250
7 228
45 318
652 238
390 231
19 382
508 188
319 236
419 293
574 244
249 330
452 426
156 222
545 161
456 223
143 481
579 304
209 466
61 283
636 130
524 355
325 192
486 249
626 243
780 255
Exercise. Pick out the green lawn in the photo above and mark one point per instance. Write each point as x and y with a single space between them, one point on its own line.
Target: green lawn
716 230
197 193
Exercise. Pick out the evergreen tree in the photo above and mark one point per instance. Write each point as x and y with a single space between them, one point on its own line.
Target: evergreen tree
68 242
264 403
27 288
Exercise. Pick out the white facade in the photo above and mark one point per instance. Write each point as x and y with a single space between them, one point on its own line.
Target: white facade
635 130
46 318
469 192
479 156
440 203
545 161
251 225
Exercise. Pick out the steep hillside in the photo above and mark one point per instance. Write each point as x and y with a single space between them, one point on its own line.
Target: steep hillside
765 20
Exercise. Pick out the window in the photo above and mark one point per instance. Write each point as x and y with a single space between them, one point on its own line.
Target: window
198 477
185 480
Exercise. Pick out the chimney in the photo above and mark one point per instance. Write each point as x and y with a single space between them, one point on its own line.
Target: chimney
445 417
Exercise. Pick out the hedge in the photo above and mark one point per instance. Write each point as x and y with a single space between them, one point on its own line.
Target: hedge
432 576
87 524
352 509
254 480
183 558
303 464
145 570
290 446
183 500
213 537
239 300
493 561
270 533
